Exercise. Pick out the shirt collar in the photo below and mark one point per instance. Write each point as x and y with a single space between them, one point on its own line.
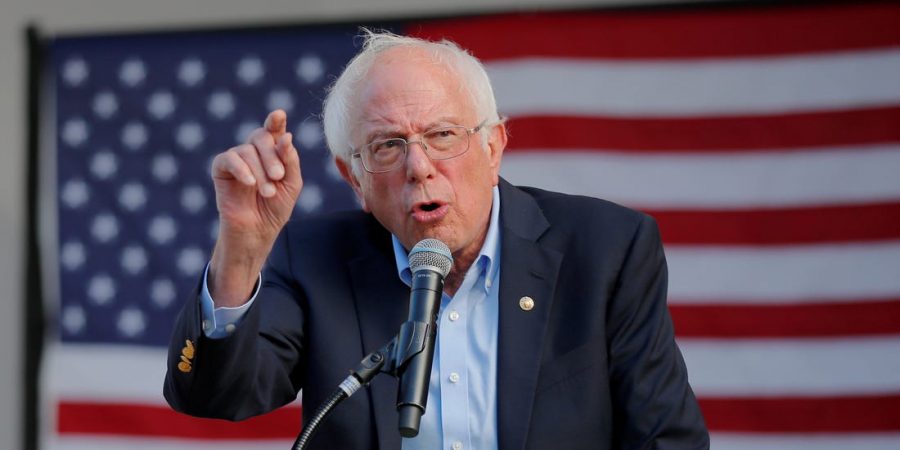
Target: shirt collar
487 260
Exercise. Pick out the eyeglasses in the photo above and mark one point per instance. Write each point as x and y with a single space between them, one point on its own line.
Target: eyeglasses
385 155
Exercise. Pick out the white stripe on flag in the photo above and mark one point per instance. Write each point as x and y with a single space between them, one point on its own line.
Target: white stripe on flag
95 442
716 181
738 86
837 272
106 372
818 441
792 367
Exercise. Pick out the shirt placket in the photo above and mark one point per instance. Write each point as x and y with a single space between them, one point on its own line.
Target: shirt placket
453 339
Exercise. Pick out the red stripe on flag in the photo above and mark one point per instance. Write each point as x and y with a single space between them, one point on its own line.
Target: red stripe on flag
695 134
674 33
126 419
780 320
801 414
846 223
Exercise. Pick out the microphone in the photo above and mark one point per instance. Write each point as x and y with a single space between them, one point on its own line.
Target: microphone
430 261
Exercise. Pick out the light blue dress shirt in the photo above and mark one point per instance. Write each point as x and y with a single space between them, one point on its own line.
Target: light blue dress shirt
461 413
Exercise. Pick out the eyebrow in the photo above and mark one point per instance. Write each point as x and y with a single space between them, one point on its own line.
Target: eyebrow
383 134
390 133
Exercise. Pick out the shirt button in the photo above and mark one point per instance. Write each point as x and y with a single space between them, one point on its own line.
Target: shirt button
230 328
454 377
206 325
454 316
456 445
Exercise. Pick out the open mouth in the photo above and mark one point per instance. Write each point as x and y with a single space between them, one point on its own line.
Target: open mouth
430 211
428 207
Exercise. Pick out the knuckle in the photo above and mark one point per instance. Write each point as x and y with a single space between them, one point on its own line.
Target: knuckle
255 135
260 135
226 159
245 151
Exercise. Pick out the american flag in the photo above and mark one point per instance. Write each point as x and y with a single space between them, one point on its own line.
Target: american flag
764 139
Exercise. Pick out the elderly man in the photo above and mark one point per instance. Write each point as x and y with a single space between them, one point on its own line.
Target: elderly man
553 326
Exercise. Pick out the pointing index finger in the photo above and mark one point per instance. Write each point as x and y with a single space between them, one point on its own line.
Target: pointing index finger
276 123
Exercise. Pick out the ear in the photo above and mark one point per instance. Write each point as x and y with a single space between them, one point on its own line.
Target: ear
496 145
347 174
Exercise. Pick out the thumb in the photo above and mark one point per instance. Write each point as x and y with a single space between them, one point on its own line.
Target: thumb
276 123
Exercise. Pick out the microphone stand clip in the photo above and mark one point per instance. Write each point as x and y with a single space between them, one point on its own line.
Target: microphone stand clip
391 359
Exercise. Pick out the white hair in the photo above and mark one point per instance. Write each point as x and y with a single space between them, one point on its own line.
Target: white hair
339 101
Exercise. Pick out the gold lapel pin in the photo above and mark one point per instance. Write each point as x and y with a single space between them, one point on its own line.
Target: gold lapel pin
526 303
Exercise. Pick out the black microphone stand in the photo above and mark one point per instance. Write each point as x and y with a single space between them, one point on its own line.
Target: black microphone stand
392 359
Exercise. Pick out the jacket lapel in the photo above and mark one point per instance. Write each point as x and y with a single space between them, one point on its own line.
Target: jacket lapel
527 270
381 302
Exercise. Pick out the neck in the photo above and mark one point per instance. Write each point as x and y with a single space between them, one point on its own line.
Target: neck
461 264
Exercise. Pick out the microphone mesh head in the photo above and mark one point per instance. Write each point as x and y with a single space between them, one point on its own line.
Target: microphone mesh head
431 254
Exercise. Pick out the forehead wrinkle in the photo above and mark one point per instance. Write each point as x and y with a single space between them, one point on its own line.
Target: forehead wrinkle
390 109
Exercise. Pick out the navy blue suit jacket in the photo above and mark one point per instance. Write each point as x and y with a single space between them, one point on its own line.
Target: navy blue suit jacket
593 365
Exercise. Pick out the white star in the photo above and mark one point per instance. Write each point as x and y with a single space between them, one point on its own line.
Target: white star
310 68
311 198
193 199
162 292
104 164
309 133
280 98
75 193
105 227
131 322
242 132
189 135
162 229
132 196
73 319
191 72
72 255
134 135
134 259
105 104
164 168
191 261
132 72
75 71
161 104
250 70
220 104
75 132
101 289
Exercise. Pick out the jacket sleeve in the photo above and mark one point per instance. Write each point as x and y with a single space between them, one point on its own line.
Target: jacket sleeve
654 406
254 370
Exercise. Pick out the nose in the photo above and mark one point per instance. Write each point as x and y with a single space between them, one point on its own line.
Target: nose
419 166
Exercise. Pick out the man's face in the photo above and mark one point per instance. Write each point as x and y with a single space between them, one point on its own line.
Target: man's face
405 95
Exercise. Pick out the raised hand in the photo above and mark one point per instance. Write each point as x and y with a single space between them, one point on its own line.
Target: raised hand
257 184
